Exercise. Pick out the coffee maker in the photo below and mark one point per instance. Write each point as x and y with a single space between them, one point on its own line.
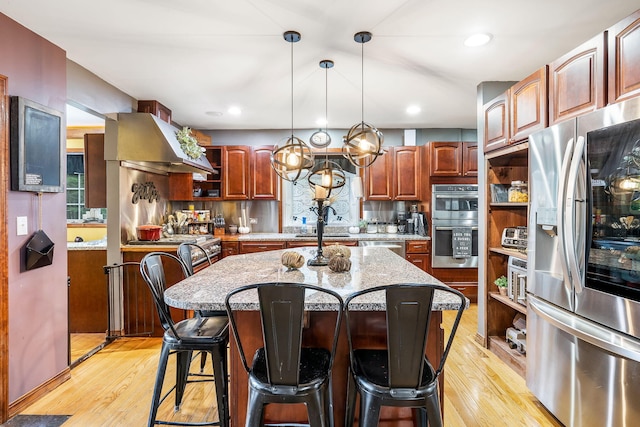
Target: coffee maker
417 222
402 223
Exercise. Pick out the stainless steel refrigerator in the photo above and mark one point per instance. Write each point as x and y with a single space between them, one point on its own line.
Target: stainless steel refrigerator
583 271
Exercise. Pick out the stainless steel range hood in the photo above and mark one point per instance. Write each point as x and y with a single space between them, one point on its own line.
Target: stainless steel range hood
145 142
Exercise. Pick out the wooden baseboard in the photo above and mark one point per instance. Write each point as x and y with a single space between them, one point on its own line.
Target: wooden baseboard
481 340
26 400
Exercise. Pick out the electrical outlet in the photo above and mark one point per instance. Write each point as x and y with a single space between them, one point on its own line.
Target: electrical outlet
22 227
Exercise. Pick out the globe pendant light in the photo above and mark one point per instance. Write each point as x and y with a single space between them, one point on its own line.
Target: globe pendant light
363 142
327 176
293 159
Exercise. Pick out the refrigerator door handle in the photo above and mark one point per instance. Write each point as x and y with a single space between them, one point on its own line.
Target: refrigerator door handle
562 188
570 216
585 330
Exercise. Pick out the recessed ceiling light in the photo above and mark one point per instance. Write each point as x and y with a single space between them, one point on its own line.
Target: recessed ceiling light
413 110
214 113
234 111
476 40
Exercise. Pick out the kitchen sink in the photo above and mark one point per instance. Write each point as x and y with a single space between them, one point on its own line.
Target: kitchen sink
323 235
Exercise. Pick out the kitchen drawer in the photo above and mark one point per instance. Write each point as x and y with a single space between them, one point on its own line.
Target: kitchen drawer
418 247
468 289
304 243
422 261
250 247
230 248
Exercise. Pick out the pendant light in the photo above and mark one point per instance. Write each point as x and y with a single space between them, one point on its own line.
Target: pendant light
293 159
363 142
326 176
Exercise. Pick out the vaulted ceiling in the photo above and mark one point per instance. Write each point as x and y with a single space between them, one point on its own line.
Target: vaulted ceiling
202 57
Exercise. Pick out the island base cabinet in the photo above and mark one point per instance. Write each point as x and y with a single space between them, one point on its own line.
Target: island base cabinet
369 327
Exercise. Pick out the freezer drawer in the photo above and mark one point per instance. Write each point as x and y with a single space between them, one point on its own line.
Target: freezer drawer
573 376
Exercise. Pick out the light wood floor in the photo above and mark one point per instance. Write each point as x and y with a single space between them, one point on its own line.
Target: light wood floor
113 388
84 343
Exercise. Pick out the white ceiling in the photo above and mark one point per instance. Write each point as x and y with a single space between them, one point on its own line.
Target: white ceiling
200 56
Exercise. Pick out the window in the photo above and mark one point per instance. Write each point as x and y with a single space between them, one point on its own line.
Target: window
76 212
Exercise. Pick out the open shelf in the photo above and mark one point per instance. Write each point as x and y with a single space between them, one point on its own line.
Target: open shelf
507 301
515 359
509 252
502 167
509 205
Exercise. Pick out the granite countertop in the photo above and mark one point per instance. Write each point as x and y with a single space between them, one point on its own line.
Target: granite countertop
329 236
90 245
371 266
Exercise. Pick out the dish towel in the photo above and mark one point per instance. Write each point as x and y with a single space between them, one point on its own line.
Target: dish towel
461 240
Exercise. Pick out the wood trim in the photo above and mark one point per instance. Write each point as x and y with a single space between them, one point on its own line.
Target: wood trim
480 340
23 402
77 132
4 251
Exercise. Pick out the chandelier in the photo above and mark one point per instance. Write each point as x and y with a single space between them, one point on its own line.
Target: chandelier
326 176
363 142
293 159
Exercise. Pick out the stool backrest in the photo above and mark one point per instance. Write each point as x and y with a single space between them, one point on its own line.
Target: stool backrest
184 253
152 270
282 315
408 314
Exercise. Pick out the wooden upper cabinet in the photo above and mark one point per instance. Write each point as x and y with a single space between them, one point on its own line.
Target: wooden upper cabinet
264 182
237 162
454 158
528 106
181 186
395 175
496 122
202 138
155 108
406 173
378 178
577 81
446 158
624 59
469 159
95 171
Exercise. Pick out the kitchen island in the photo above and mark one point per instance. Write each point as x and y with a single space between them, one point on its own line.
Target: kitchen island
371 267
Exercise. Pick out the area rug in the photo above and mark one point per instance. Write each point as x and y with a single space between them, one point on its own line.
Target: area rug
36 421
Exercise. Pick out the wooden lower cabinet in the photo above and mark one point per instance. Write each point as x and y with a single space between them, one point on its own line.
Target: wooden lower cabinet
418 253
422 261
306 243
251 247
230 248
463 279
87 291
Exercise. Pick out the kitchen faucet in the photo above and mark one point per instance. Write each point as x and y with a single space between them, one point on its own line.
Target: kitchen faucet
325 212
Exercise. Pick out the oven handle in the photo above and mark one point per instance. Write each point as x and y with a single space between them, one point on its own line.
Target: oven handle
456 196
441 227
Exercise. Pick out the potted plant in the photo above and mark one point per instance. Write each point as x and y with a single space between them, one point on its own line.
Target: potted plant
501 283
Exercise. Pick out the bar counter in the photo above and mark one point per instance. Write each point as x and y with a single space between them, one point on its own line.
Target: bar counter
371 266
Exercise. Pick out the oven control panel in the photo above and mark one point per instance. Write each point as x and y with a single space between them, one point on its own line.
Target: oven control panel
514 237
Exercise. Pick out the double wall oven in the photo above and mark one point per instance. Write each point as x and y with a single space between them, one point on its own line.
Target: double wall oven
454 217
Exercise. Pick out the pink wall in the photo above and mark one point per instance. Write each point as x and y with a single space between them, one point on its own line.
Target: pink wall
38 328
